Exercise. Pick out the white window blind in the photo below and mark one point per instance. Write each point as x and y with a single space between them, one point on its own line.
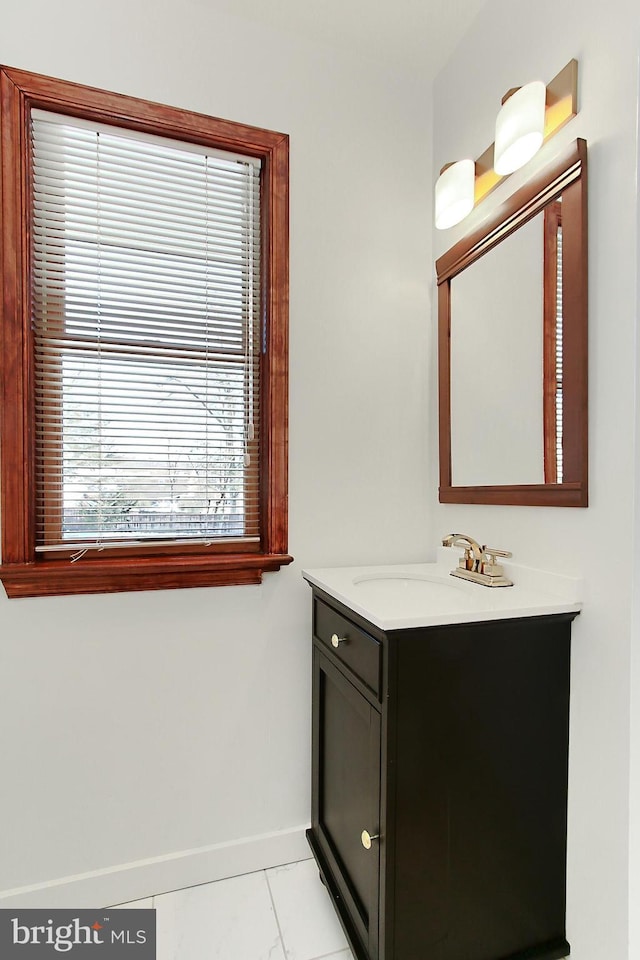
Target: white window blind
146 306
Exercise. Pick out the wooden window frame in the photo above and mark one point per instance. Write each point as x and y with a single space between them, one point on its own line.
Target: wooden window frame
23 572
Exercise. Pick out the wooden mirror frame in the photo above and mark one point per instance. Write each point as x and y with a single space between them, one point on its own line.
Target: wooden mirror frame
567 175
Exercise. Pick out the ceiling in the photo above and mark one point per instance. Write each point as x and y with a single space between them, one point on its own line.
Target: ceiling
417 33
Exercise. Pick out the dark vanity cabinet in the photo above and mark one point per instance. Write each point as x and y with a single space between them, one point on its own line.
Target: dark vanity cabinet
440 784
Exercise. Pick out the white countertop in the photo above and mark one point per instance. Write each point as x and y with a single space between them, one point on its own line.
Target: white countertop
401 596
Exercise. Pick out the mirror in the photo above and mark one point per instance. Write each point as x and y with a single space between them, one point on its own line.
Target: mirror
512 347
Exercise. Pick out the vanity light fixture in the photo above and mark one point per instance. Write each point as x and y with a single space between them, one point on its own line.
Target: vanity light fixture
519 127
455 193
530 115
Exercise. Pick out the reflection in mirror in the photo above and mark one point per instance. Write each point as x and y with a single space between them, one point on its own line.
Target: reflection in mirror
513 435
496 364
512 349
552 374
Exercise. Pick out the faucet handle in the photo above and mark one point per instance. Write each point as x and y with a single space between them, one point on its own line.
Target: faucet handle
491 552
490 565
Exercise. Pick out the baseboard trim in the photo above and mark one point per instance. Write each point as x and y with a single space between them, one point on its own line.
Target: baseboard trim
173 871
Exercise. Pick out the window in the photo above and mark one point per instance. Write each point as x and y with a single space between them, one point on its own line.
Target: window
145 266
552 343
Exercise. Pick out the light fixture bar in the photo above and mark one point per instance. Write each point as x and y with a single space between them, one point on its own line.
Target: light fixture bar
561 106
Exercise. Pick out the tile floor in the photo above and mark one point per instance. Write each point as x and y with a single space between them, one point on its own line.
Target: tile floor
279 914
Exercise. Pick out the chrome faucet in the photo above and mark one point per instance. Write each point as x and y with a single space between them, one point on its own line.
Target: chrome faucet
478 564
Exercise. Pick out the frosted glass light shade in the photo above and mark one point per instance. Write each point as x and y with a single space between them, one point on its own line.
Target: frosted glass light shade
454 196
520 128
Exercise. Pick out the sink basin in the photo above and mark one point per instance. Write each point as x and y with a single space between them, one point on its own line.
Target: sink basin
411 592
403 596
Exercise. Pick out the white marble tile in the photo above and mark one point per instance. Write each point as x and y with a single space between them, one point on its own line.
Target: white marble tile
228 920
146 904
343 955
309 926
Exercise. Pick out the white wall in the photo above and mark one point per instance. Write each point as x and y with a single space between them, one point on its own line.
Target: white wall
634 673
511 44
136 726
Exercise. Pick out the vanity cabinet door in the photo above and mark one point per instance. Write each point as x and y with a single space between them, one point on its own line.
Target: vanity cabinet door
346 798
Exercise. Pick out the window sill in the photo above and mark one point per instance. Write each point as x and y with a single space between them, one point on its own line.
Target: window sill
53 578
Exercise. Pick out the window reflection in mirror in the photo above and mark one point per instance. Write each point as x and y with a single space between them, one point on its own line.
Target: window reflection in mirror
552 338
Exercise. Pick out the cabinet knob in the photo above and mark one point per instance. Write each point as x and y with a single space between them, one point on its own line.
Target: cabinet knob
366 839
336 640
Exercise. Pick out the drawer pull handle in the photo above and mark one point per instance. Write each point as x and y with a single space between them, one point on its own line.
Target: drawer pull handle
366 839
336 640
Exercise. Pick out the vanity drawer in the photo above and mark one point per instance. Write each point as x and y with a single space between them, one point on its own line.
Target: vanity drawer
356 649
